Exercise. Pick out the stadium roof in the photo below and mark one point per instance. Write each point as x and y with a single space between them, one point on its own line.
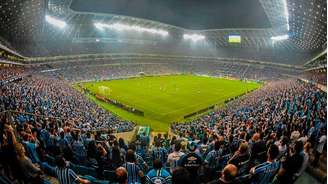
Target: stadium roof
286 26
189 14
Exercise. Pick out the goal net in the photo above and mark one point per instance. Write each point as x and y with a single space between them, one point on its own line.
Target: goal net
103 90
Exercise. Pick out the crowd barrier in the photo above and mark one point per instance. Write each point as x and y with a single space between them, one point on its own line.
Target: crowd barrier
13 79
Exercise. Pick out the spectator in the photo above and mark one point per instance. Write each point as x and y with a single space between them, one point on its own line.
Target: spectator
158 175
31 148
320 146
79 152
292 164
63 144
140 161
241 158
135 174
115 155
191 162
30 171
122 144
228 175
258 149
282 145
181 175
175 156
93 155
121 175
213 157
159 152
66 175
306 157
265 172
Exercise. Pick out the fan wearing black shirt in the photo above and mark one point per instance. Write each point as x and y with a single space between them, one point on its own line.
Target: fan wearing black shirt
292 164
258 150
191 162
241 158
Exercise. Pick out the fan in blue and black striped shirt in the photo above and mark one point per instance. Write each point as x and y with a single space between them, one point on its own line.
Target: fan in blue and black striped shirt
66 175
139 160
213 157
135 174
265 172
159 152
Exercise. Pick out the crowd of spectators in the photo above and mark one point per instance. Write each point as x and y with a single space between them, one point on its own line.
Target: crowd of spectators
41 96
103 72
286 114
108 69
9 72
50 129
319 77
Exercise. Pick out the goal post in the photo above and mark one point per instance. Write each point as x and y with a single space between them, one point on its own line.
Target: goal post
104 90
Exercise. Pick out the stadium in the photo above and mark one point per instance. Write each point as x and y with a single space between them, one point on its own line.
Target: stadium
163 92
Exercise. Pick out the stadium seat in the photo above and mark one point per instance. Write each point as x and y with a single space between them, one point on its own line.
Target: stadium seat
94 180
260 158
109 175
243 167
83 170
72 166
245 179
50 160
5 180
223 161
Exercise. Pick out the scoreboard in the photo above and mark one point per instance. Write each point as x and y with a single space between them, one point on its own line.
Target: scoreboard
234 39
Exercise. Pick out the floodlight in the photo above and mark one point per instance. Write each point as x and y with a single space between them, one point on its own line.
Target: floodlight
126 27
56 22
99 26
193 37
280 37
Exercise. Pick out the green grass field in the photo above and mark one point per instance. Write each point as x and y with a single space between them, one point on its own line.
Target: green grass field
165 99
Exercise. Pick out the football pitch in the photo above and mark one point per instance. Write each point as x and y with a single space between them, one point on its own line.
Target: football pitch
166 99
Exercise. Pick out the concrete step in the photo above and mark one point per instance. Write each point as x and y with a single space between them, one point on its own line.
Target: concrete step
323 162
317 173
323 166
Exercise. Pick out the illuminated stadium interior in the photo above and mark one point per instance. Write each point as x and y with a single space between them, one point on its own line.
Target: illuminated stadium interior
163 91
